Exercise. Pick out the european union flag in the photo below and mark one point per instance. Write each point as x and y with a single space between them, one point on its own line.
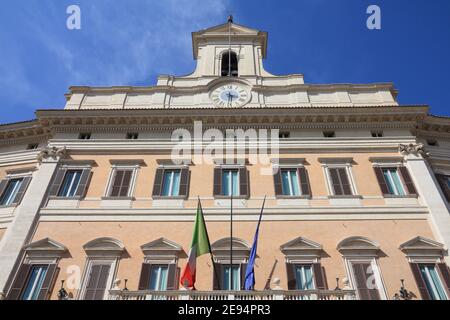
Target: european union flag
249 283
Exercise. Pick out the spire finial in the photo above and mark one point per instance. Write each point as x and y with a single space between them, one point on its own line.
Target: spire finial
230 18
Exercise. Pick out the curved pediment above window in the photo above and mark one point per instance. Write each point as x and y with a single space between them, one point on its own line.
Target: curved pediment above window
423 247
104 247
359 245
221 250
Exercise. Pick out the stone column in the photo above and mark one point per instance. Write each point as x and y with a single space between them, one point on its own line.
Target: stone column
25 217
429 191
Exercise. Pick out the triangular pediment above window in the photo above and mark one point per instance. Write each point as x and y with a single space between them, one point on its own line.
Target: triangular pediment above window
301 243
161 244
421 245
301 247
45 245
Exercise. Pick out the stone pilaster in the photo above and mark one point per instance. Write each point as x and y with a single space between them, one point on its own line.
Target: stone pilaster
25 217
429 191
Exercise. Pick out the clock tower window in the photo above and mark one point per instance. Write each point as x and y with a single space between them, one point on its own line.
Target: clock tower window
229 64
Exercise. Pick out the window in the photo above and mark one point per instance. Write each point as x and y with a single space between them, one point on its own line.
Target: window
34 282
365 276
304 277
70 183
231 180
8 197
230 183
236 270
171 183
329 134
393 181
32 146
97 281
340 181
158 277
444 183
132 136
284 135
377 134
84 136
229 64
432 143
121 183
290 182
432 282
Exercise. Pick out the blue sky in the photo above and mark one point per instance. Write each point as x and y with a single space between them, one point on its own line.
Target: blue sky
131 42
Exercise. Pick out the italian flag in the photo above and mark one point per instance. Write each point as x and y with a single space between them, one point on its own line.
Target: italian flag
199 246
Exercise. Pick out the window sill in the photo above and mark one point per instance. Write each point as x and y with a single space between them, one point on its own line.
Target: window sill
169 198
345 197
63 198
119 198
9 206
7 211
280 197
408 196
117 202
59 202
403 201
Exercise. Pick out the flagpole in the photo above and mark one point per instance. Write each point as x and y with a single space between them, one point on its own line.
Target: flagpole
231 235
209 245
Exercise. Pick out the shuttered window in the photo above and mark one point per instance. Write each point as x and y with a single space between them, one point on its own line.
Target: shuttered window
70 183
365 281
229 182
305 276
340 182
121 183
159 277
291 182
395 181
13 190
225 282
97 282
171 183
433 280
33 282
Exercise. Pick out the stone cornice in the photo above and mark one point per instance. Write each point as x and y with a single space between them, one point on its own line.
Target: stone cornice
160 119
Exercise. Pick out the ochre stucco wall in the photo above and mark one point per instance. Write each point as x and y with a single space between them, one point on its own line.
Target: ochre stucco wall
201 183
388 233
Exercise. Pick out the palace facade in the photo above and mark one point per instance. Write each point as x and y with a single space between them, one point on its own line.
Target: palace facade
92 201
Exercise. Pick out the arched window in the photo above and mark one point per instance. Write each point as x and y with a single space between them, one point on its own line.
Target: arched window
228 61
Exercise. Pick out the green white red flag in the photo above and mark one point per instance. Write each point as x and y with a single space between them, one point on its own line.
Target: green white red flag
200 245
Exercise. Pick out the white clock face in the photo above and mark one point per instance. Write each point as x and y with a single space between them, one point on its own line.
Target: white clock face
230 95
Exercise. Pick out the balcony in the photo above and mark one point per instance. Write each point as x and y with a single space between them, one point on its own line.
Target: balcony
234 295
